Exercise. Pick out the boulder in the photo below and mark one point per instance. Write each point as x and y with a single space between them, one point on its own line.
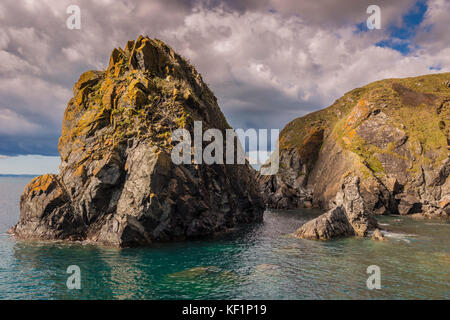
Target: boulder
348 218
377 235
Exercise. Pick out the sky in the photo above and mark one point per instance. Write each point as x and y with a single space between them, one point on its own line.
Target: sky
28 165
267 61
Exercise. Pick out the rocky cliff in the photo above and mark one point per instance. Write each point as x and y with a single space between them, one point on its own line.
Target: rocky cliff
393 135
117 185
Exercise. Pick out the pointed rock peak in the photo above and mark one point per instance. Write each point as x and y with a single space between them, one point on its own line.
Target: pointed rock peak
145 54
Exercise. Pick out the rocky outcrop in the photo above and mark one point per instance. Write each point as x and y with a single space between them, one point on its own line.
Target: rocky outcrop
392 134
117 184
348 217
377 235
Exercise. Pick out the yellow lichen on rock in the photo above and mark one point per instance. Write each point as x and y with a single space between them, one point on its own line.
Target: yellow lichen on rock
40 184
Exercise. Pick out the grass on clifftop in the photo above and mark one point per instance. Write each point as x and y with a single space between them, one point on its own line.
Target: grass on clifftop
418 105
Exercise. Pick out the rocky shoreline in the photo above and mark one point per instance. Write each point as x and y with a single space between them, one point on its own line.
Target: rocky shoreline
380 149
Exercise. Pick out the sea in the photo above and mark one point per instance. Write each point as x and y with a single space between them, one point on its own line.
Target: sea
260 261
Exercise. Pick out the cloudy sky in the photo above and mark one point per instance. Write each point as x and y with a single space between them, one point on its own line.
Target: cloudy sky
268 61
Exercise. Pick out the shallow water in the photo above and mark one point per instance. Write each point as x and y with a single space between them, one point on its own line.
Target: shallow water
255 262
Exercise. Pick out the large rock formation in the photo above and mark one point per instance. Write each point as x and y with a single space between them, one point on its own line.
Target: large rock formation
348 217
117 185
392 134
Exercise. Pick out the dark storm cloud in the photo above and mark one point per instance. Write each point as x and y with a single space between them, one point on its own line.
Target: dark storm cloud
267 61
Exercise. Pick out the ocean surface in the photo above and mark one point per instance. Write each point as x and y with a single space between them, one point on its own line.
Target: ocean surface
255 262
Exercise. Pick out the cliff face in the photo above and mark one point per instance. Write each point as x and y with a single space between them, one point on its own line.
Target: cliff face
117 184
391 134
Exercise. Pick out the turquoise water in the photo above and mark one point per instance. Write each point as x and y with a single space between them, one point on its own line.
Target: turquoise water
258 262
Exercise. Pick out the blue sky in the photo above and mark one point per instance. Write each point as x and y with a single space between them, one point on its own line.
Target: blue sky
401 38
267 61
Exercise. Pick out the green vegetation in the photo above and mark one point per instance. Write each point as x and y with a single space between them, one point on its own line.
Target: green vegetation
419 106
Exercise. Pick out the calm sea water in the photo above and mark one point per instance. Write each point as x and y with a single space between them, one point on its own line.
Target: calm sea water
258 262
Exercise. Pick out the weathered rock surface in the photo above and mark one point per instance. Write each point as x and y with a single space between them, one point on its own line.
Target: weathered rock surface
348 217
117 185
286 190
392 134
377 235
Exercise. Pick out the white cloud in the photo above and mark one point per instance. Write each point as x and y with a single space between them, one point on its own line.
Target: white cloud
12 123
12 63
435 36
304 63
267 61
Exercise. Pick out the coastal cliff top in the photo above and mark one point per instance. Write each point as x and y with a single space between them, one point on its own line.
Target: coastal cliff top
417 107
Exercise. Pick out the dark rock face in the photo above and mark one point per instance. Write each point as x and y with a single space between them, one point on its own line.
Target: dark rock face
408 204
348 217
47 205
286 190
117 184
392 134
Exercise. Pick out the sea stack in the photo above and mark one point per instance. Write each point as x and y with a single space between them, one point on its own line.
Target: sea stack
117 184
392 138
349 217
